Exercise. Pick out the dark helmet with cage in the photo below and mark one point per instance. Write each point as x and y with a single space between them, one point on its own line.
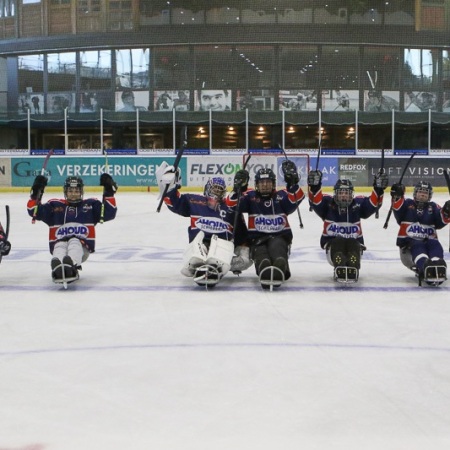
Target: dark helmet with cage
73 190
343 193
375 93
423 192
215 190
265 182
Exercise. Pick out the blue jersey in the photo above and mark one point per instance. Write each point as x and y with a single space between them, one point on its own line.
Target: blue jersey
417 224
203 218
78 221
268 216
343 222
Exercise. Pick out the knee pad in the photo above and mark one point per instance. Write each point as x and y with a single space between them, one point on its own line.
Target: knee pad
220 254
241 261
195 255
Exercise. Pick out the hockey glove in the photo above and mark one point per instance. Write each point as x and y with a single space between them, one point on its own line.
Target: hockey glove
171 177
397 191
5 247
291 176
315 181
240 183
109 185
39 184
446 209
380 183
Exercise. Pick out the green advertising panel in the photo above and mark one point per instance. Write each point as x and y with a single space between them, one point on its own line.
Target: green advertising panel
126 171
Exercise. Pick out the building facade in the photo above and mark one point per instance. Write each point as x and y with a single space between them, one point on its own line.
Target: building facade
254 74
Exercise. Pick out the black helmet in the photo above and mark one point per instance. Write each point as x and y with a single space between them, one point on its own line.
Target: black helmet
343 193
265 174
70 183
422 187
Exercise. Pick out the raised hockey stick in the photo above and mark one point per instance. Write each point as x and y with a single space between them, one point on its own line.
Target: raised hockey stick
41 192
381 171
447 180
236 215
6 230
298 207
175 164
399 182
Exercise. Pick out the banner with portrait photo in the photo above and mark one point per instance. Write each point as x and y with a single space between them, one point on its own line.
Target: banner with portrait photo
376 100
420 101
446 101
340 100
255 100
213 99
57 102
297 100
31 101
129 100
178 100
95 101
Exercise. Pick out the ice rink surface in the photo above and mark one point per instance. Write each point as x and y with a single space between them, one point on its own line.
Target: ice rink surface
135 356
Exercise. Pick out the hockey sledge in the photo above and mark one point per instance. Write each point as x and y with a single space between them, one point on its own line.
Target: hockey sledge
346 274
59 273
434 275
207 275
271 277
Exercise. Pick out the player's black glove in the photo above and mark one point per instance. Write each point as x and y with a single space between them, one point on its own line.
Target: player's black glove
5 246
446 209
380 183
109 185
397 191
240 183
315 181
291 176
39 184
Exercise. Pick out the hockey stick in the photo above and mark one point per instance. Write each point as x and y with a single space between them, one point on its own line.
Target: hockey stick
175 165
102 212
298 206
41 192
447 180
236 215
319 151
381 171
6 230
399 182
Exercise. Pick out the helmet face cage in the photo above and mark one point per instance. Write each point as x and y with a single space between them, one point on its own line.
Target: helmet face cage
70 184
421 188
343 193
215 189
263 175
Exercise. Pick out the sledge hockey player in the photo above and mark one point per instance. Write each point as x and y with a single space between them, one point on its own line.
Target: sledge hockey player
72 222
419 218
5 245
269 233
211 251
342 236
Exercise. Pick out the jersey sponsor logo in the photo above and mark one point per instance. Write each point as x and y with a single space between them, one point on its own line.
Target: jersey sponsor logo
211 225
346 230
419 231
269 224
72 229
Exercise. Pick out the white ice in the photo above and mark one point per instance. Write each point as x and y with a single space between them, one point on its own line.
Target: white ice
135 356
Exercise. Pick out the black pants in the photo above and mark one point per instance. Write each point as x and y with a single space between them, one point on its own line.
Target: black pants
268 251
345 252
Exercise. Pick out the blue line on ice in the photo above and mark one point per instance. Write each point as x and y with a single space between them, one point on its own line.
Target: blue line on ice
297 345
222 288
